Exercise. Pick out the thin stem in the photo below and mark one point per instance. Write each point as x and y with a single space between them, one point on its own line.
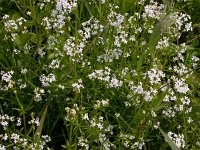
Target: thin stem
22 110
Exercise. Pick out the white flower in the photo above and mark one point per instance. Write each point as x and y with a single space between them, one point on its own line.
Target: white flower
103 1
19 122
154 10
155 75
188 26
115 19
178 139
54 64
77 86
185 100
2 147
7 76
35 121
181 86
46 80
38 94
24 71
115 83
46 138
189 120
85 117
5 137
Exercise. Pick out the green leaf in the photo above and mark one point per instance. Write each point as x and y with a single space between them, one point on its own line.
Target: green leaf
155 36
195 43
39 128
88 7
18 42
168 140
163 25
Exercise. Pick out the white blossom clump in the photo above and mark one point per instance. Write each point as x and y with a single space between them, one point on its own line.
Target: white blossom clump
41 52
38 92
72 113
195 61
14 25
16 140
115 83
91 27
178 139
137 89
7 81
46 80
5 120
103 75
185 100
153 10
163 43
181 86
2 147
78 86
66 5
83 143
46 138
101 103
115 19
106 77
182 22
155 76
110 55
169 112
54 64
35 121
74 49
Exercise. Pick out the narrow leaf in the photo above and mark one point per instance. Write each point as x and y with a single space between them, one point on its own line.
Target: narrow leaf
88 7
39 128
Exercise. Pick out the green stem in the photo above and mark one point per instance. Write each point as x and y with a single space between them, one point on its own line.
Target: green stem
70 136
22 110
185 132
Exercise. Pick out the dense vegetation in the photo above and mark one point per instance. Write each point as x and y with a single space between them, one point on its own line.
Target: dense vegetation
99 74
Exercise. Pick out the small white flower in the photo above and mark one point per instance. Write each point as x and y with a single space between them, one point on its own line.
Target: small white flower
85 117
54 64
77 86
181 86
24 71
2 147
189 120
103 1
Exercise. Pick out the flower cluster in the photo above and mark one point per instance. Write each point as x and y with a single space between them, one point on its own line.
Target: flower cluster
77 86
104 75
74 49
5 119
153 10
38 94
178 139
17 140
102 103
46 80
71 112
122 67
6 77
155 76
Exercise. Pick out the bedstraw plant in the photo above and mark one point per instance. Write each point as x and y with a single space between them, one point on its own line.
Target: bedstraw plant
97 74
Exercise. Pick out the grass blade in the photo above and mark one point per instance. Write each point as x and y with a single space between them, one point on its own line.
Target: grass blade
39 128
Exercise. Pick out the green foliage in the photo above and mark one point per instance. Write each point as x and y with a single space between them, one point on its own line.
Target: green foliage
193 9
112 74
